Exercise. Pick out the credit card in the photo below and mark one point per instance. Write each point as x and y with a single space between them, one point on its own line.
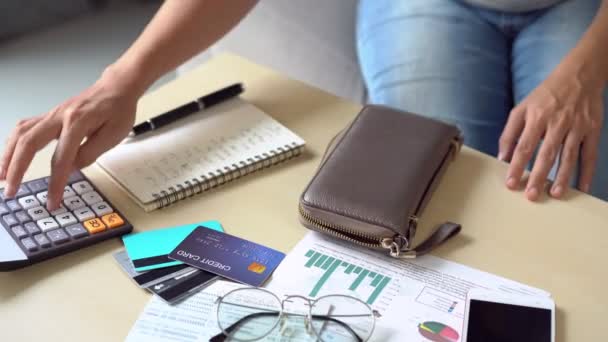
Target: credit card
228 256
149 250
177 288
148 278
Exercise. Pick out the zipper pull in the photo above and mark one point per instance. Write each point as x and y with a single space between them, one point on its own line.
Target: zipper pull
398 246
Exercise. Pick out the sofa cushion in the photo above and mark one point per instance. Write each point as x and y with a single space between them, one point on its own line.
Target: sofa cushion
309 40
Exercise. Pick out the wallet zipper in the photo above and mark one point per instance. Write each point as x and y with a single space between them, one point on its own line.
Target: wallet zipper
349 234
339 231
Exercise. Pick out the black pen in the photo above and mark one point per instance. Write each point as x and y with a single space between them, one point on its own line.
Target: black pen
188 109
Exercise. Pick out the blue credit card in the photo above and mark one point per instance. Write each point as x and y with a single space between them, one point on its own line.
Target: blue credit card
228 256
149 250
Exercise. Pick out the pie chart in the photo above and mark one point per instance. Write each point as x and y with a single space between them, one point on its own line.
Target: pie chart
438 332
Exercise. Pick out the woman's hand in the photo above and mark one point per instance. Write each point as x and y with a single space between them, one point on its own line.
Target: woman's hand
86 126
566 113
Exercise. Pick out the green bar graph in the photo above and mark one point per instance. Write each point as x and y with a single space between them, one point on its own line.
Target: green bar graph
324 278
356 283
363 278
372 298
321 260
349 269
312 259
327 263
376 280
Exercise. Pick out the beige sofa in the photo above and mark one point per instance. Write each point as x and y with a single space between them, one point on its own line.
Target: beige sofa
309 40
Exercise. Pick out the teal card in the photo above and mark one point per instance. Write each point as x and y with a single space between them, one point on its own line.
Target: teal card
150 250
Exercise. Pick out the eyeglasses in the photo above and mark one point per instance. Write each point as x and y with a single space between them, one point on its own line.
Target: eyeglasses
250 314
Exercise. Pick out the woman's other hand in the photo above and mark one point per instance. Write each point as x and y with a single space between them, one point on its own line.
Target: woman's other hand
565 112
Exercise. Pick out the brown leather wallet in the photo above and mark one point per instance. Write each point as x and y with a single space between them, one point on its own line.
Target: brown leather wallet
377 176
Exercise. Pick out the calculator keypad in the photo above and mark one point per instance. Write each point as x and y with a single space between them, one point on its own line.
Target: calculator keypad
84 214
38 213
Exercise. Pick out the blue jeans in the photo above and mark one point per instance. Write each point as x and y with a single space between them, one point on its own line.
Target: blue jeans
467 65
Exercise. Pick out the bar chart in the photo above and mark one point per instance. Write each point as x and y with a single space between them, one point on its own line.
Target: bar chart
355 278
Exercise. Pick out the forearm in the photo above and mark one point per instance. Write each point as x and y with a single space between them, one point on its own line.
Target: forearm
591 53
180 30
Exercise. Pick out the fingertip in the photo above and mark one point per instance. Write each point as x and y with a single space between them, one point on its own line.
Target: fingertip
557 191
51 204
9 191
511 183
532 194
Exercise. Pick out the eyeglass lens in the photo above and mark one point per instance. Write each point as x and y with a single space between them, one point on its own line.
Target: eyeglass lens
248 314
251 314
341 318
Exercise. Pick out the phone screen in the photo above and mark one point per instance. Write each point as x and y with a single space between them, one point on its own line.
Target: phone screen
498 322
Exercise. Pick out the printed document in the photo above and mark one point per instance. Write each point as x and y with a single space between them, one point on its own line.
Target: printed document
419 299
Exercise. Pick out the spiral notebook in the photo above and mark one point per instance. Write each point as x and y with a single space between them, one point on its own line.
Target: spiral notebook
198 153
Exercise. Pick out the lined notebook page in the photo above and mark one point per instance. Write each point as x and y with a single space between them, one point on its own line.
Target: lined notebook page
214 139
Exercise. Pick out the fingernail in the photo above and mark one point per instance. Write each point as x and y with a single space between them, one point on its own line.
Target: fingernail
511 182
557 191
532 193
501 156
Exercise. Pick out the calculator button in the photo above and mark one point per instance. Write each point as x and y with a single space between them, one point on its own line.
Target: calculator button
66 219
113 220
92 197
77 231
28 202
68 192
37 185
82 187
84 214
58 236
75 177
22 216
32 228
42 196
19 232
47 224
74 203
4 209
58 211
72 178
94 226
102 208
29 244
13 205
38 213
23 191
10 220
42 240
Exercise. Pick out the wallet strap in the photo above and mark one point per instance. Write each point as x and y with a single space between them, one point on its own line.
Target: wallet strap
443 233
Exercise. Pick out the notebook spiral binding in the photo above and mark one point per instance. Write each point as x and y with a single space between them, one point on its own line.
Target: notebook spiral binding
211 180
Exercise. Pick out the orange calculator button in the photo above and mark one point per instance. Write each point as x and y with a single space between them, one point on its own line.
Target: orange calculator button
94 226
113 220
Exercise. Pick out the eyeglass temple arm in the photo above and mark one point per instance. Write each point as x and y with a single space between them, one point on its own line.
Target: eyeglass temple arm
221 337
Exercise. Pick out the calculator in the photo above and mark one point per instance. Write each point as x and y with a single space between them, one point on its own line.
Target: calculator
30 234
